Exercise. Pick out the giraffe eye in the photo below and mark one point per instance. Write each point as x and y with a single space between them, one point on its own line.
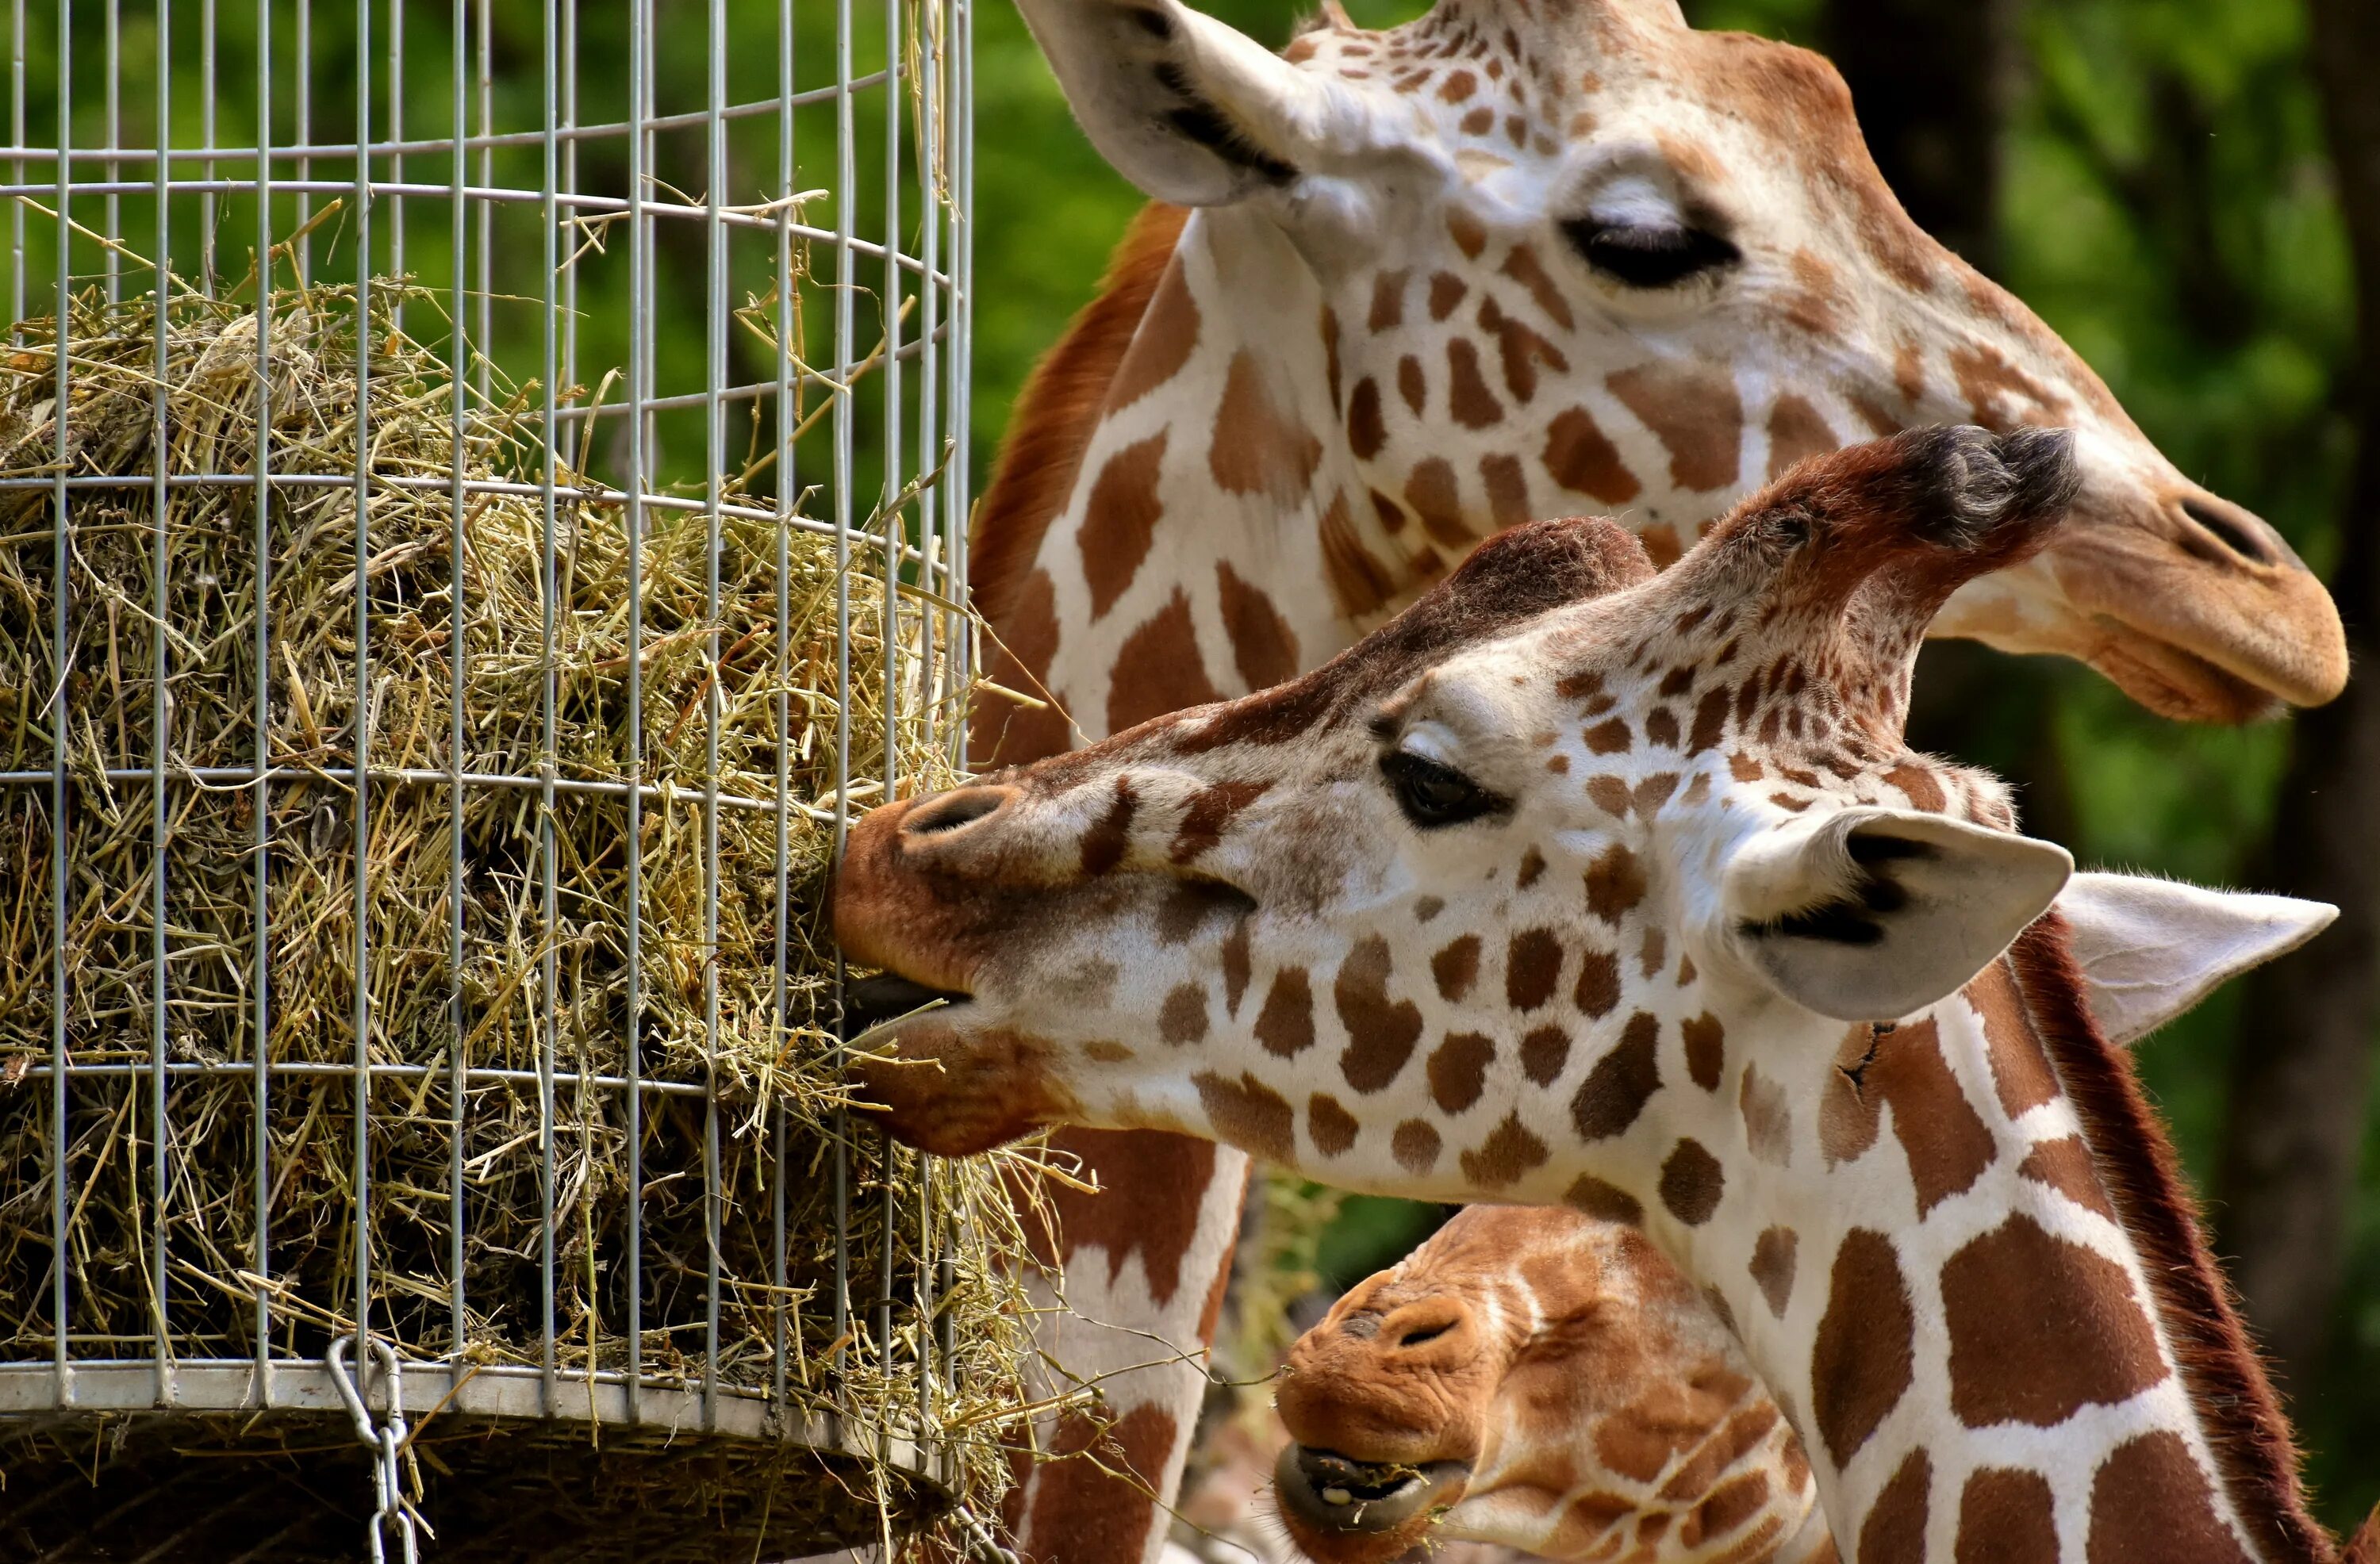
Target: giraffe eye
1434 795
1648 254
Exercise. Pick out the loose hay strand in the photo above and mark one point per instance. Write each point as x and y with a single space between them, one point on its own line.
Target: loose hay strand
768 1061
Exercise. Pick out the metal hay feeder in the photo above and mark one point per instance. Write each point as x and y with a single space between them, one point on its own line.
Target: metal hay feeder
532 1237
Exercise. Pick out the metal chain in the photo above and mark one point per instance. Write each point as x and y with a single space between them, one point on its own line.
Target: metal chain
385 1441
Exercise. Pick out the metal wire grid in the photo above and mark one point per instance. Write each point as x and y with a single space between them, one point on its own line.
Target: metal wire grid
528 310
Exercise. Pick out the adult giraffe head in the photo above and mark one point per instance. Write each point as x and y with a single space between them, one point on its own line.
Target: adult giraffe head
1580 885
1518 259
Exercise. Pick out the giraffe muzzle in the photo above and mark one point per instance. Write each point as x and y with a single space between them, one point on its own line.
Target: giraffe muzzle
1331 1493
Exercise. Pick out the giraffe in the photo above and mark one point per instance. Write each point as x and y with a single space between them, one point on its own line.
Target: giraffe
1546 1380
1577 885
1402 289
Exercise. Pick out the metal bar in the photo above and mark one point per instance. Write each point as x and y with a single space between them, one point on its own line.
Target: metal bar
640 388
115 62
550 587
847 176
17 162
458 620
788 486
261 1041
161 735
363 720
301 62
715 459
417 777
61 595
206 133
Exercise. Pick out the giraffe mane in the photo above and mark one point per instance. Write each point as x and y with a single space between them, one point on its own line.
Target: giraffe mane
1057 410
2225 1377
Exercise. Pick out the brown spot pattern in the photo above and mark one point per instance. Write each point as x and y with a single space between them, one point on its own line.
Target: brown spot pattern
1264 648
1358 585
1695 413
1366 430
1894 1530
1616 1090
1597 989
1380 1033
1706 1048
1509 1154
1456 967
1446 291
1533 961
2006 1517
1119 519
1258 447
1235 965
1523 267
1184 1019
1767 1119
1458 1070
1773 1255
1795 431
2065 1165
1945 1139
1414 1144
1507 489
1692 1182
1204 818
2020 1068
1248 1114
1615 883
2041 1327
1430 491
1604 1201
1580 458
1332 1127
1859 1367
1105 843
1285 1024
1168 331
2150 1504
1468 400
1413 384
1158 669
1543 1053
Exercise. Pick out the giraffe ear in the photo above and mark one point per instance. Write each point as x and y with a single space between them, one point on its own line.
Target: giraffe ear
2150 949
1184 107
1870 914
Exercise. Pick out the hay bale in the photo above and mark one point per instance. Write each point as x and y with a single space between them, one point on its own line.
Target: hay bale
752 1087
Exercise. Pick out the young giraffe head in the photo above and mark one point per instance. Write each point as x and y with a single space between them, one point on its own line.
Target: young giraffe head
1543 1380
1582 885
1527 257
1548 1381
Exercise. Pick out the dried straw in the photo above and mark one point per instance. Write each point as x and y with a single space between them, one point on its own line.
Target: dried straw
536 988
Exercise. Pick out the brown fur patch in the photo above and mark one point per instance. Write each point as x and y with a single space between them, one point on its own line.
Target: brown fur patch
1862 1364
2065 1165
1264 648
1248 1114
1543 1053
1773 1255
1332 1127
1258 446
1089 1491
1524 268
2041 1327
1167 1176
1003 733
1381 1033
1388 311
2150 1504
1604 1201
1204 818
1431 493
1456 967
1184 1019
1579 457
1366 430
1943 1136
1446 293
1895 1528
1119 520
1458 1070
1235 965
1705 1042
1507 489
1693 412
1767 1117
2021 1070
1057 411
1359 585
1285 1024
1616 1090
1597 989
1615 883
1533 963
1795 431
1692 1182
2006 1517
1414 1144
1412 385
1508 1154
1158 669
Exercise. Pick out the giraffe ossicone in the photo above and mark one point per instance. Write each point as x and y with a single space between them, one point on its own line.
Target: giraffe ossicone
1550 1383
1459 914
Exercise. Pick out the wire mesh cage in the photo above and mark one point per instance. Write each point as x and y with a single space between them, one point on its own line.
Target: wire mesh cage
481 503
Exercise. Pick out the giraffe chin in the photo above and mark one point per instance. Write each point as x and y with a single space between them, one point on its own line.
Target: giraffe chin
1344 1512
2180 685
954 1094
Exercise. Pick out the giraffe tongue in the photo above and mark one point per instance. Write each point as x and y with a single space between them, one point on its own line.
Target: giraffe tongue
872 1001
1330 1491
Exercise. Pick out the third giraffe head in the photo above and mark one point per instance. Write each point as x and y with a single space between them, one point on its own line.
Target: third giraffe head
1528 258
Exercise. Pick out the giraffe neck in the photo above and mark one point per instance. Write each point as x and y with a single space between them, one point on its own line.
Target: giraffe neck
1997 1321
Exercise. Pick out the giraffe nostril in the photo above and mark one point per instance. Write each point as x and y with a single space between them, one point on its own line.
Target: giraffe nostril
2233 528
1422 1333
953 811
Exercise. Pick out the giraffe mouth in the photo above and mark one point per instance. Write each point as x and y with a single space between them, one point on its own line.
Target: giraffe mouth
875 1002
1332 1492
